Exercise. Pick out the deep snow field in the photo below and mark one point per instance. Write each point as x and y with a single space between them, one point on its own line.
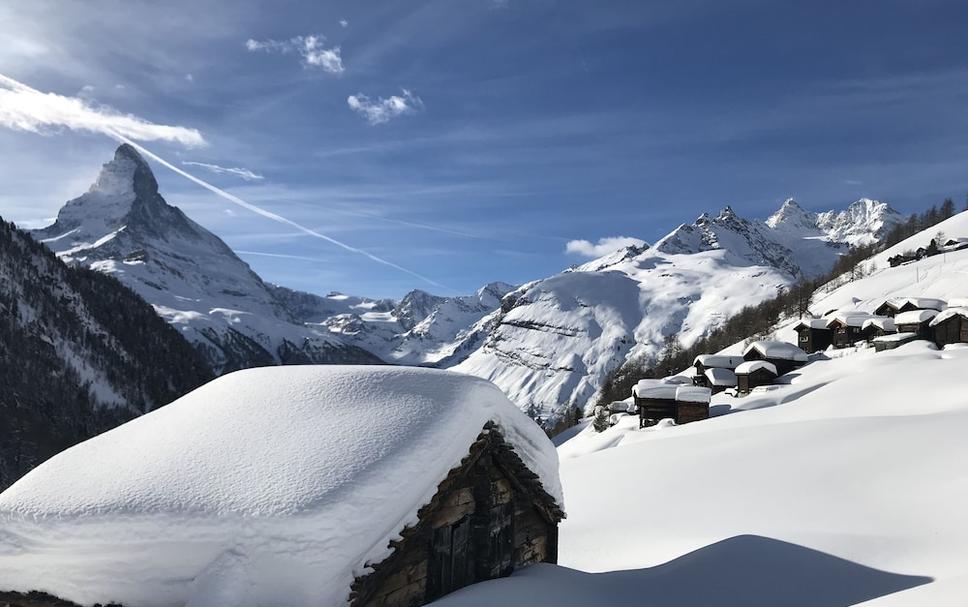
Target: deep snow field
846 485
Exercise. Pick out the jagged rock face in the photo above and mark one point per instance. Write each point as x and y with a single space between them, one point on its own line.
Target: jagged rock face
863 222
124 227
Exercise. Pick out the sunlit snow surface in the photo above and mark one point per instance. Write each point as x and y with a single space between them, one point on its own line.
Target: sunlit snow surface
270 486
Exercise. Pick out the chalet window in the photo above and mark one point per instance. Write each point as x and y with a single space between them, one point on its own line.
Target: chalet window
501 539
804 338
450 562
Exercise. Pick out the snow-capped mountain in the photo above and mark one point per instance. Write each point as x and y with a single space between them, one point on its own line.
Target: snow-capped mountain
863 222
554 341
123 226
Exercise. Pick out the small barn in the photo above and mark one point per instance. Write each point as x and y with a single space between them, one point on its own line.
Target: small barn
298 486
878 326
718 379
654 400
704 362
889 342
784 357
950 326
692 404
897 305
917 322
847 328
813 334
754 373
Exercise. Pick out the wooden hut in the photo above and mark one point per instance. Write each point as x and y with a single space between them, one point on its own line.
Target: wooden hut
897 305
889 342
917 322
950 326
654 400
784 356
717 379
847 328
692 403
704 362
813 334
878 326
754 373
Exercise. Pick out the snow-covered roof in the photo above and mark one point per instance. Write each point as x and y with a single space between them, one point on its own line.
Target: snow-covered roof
958 302
308 466
719 361
677 380
945 315
753 365
654 388
849 319
921 303
914 317
811 323
884 323
777 349
693 394
721 377
895 337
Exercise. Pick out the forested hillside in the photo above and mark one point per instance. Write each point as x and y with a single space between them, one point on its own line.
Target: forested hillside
79 354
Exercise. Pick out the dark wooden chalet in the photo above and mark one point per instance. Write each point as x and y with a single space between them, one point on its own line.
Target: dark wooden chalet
718 380
704 362
813 335
654 400
692 403
754 373
784 357
896 305
950 327
878 326
899 259
917 322
490 516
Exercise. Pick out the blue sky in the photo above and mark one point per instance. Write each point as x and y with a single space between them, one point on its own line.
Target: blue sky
470 140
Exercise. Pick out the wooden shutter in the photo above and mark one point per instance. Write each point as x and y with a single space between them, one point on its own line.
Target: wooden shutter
501 539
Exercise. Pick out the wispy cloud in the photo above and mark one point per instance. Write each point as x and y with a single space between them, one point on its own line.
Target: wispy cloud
604 246
311 48
23 108
344 23
245 174
383 109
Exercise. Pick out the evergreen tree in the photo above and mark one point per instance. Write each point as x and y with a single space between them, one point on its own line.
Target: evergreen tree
601 421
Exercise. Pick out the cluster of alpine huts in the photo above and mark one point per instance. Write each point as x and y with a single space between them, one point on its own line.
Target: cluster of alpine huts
895 322
685 399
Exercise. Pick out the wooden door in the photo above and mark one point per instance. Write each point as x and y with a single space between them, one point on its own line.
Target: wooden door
501 540
450 560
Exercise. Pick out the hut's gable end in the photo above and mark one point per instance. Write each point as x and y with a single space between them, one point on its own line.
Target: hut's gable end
488 517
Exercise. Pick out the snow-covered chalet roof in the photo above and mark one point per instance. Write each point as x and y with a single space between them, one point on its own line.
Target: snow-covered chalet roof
945 315
777 349
914 317
693 394
958 302
895 337
811 323
291 467
753 365
849 319
719 361
721 377
654 388
921 303
884 323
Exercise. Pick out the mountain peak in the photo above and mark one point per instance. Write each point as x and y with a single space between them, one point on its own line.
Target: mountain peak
791 214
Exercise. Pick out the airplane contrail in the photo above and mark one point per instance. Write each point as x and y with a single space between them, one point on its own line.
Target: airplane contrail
270 215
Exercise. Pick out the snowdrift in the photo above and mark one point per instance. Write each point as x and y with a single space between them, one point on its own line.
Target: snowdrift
270 486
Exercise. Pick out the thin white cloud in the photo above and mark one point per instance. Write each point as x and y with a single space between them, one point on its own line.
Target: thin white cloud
344 23
311 48
381 110
245 174
604 246
23 108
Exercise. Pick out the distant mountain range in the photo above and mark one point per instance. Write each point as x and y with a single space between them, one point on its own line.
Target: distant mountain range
548 343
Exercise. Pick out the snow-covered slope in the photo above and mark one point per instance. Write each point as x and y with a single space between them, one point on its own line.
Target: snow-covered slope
124 227
845 486
271 486
554 340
